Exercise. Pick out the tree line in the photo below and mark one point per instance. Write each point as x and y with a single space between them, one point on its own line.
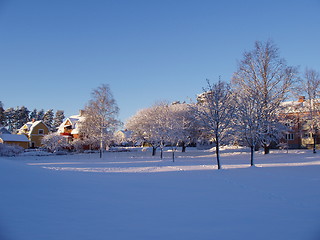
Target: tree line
14 118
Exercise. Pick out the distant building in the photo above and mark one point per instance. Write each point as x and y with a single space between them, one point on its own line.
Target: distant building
70 128
297 118
124 137
34 130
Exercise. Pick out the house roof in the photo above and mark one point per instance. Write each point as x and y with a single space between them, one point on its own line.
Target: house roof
125 133
14 138
31 125
73 120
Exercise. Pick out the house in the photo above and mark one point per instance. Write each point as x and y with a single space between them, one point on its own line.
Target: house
14 139
297 119
70 127
124 137
34 130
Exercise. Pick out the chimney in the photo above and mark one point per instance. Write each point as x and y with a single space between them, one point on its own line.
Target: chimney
33 120
302 99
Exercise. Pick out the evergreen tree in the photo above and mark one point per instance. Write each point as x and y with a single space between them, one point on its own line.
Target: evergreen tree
22 117
2 115
58 119
9 115
33 114
40 115
48 119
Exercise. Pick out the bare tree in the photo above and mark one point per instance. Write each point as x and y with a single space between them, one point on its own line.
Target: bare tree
265 77
100 117
311 88
215 112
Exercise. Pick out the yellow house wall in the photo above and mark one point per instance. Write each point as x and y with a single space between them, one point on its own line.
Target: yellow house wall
21 144
35 137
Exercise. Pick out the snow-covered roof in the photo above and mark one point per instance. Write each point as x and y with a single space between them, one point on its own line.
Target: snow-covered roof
14 138
73 120
30 126
35 124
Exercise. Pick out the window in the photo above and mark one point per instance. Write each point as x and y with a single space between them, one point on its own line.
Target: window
308 135
289 136
40 132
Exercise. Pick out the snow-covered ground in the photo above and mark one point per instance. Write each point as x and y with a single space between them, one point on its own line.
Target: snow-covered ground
131 195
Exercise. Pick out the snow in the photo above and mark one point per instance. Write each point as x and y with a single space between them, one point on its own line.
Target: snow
131 195
14 138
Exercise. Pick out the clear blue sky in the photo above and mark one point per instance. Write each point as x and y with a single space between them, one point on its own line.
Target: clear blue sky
53 53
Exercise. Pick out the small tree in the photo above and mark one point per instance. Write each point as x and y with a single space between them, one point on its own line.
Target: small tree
100 117
248 122
215 112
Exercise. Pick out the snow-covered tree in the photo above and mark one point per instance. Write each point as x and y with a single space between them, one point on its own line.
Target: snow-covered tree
310 87
180 126
100 117
54 142
48 119
58 119
248 123
215 112
163 124
144 127
265 78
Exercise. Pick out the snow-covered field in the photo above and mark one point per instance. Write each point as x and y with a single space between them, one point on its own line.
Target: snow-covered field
131 195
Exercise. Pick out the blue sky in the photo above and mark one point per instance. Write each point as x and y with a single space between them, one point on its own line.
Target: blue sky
54 53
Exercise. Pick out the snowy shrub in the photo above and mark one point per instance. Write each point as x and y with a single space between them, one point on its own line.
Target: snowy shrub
80 145
10 150
54 142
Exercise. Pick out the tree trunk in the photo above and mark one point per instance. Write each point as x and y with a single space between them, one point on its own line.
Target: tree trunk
101 142
314 143
154 149
161 153
251 157
266 149
183 147
173 155
218 154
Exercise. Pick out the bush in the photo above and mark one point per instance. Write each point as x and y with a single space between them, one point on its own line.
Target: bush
54 142
10 150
